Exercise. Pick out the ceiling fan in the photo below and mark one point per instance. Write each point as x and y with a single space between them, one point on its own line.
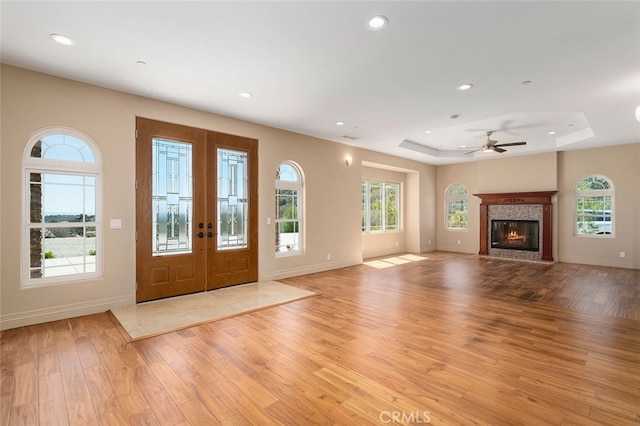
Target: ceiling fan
493 145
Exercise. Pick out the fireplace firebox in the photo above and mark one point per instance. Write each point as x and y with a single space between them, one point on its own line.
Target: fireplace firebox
515 234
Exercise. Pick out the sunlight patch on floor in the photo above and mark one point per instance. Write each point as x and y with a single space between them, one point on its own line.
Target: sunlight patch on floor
390 262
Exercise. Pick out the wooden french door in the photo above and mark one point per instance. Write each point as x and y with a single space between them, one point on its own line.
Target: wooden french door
196 210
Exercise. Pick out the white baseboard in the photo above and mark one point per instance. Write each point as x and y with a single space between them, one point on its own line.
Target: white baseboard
309 269
598 261
456 249
55 313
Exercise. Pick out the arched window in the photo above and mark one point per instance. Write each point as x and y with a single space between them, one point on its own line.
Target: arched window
456 206
61 215
594 197
289 209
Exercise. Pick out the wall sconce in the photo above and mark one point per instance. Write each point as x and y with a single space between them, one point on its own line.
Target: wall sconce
638 113
348 160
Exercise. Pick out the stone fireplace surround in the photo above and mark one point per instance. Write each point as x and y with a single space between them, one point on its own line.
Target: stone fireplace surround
517 206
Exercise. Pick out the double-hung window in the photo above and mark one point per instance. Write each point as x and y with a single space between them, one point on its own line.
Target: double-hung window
380 206
61 235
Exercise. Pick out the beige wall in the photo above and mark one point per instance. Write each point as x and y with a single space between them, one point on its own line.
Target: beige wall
537 172
621 164
32 101
554 171
447 240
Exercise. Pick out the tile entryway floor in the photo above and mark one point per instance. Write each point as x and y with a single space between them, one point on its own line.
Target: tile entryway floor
162 316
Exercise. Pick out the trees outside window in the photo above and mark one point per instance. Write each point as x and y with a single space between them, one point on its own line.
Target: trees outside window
380 206
594 201
289 209
61 216
456 205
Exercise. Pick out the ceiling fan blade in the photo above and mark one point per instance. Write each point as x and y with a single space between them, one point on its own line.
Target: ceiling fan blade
506 127
498 149
511 144
471 152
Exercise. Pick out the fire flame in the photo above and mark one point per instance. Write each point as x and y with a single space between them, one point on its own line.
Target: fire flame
513 235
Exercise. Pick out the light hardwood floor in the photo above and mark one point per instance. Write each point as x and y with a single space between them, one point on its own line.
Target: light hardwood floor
454 339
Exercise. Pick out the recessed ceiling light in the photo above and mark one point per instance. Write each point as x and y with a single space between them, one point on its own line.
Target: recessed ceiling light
526 82
552 132
377 22
340 123
454 116
245 95
61 39
427 131
465 86
141 63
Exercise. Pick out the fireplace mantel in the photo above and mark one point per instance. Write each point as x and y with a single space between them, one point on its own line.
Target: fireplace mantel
540 197
507 198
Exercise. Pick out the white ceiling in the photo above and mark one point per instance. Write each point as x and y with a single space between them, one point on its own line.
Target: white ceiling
310 64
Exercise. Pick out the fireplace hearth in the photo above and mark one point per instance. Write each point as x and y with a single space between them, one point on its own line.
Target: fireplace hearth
515 234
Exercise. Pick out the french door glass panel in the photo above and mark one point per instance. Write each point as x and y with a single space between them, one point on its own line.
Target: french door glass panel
172 197
232 211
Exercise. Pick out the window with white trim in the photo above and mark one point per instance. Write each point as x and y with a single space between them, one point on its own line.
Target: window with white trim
456 205
289 209
380 206
61 235
594 202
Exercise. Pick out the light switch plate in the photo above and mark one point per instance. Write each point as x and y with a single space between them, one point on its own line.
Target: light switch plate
115 223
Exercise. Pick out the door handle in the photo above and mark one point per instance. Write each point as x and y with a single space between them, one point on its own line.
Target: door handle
211 234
